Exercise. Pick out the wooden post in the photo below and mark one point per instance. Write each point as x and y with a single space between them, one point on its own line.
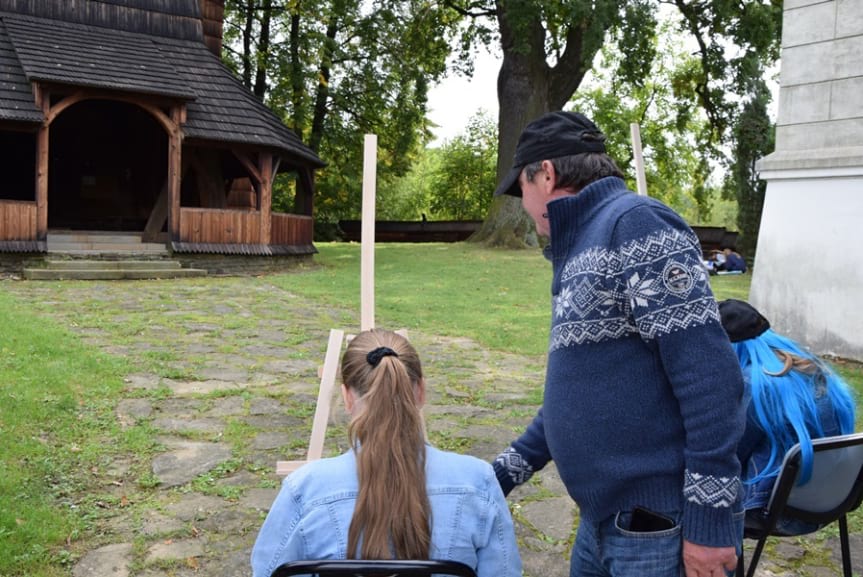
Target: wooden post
640 178
175 160
266 188
367 252
305 196
322 411
43 101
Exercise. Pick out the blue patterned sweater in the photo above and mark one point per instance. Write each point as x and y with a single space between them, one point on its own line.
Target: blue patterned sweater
643 393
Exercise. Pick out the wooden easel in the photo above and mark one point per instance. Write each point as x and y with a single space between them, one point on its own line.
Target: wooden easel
367 312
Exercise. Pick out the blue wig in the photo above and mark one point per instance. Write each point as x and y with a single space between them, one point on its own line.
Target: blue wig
784 397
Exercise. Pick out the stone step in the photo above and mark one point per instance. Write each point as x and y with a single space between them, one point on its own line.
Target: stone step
92 237
97 247
110 274
81 264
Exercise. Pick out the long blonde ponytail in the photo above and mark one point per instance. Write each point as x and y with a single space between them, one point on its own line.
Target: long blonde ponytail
392 514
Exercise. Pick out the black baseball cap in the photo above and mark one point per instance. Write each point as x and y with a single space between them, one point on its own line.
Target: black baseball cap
741 320
552 135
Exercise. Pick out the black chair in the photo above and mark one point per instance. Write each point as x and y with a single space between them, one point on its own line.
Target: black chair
368 568
834 490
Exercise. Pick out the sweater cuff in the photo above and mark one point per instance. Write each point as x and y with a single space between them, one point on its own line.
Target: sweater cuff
712 526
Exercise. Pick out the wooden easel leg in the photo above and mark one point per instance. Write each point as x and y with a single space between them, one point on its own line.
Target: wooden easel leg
322 411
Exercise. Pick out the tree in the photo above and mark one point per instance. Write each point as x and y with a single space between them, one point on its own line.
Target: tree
450 182
466 172
549 46
337 69
754 139
671 124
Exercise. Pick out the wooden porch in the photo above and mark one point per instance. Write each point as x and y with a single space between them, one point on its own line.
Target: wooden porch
202 230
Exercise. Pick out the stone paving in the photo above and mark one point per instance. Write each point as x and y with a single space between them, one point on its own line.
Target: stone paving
233 391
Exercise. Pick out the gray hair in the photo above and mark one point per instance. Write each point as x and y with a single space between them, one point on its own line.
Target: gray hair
576 171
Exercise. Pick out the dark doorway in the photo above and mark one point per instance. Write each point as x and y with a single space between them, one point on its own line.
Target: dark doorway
18 151
108 161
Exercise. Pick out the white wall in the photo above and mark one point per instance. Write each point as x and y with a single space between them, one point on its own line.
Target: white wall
808 273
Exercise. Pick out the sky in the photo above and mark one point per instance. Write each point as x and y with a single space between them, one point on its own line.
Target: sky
456 98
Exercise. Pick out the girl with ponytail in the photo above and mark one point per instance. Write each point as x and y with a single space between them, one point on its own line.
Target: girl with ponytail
391 496
795 398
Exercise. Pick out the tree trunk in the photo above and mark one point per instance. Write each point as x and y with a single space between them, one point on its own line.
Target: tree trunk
263 51
522 91
247 44
527 87
297 88
323 90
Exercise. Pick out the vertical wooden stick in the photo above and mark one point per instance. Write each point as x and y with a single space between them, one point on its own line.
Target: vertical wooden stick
367 262
640 178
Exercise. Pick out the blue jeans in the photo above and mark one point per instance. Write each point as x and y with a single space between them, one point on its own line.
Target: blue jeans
607 549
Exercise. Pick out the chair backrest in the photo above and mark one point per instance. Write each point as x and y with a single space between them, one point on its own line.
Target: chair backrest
376 568
836 485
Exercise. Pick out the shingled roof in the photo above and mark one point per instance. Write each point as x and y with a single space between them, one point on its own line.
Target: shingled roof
41 43
16 96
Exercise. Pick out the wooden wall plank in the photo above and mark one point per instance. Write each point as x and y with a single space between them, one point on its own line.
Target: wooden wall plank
203 225
18 220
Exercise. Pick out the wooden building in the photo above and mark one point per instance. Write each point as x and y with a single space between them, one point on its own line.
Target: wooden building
118 115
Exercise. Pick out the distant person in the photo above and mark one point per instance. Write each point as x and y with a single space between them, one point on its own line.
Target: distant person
392 496
642 428
730 262
795 398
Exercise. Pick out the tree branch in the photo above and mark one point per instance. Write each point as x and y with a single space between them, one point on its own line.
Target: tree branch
690 15
470 10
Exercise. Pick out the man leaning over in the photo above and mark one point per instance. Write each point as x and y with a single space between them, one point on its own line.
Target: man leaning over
643 407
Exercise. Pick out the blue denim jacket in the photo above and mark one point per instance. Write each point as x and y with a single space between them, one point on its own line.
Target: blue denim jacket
471 522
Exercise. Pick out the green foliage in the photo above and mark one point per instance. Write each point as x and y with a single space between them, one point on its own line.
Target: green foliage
672 128
465 177
408 197
453 182
339 69
754 139
549 46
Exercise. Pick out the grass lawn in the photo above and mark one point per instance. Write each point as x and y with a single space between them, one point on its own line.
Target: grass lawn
498 298
56 412
57 396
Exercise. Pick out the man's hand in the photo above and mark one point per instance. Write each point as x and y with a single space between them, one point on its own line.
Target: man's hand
701 561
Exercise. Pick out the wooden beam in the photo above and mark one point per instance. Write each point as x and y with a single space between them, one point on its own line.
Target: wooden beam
161 209
322 411
305 196
266 196
640 178
249 165
175 161
367 248
81 95
42 165
159 214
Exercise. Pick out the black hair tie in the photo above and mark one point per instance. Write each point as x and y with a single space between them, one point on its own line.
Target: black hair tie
374 357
